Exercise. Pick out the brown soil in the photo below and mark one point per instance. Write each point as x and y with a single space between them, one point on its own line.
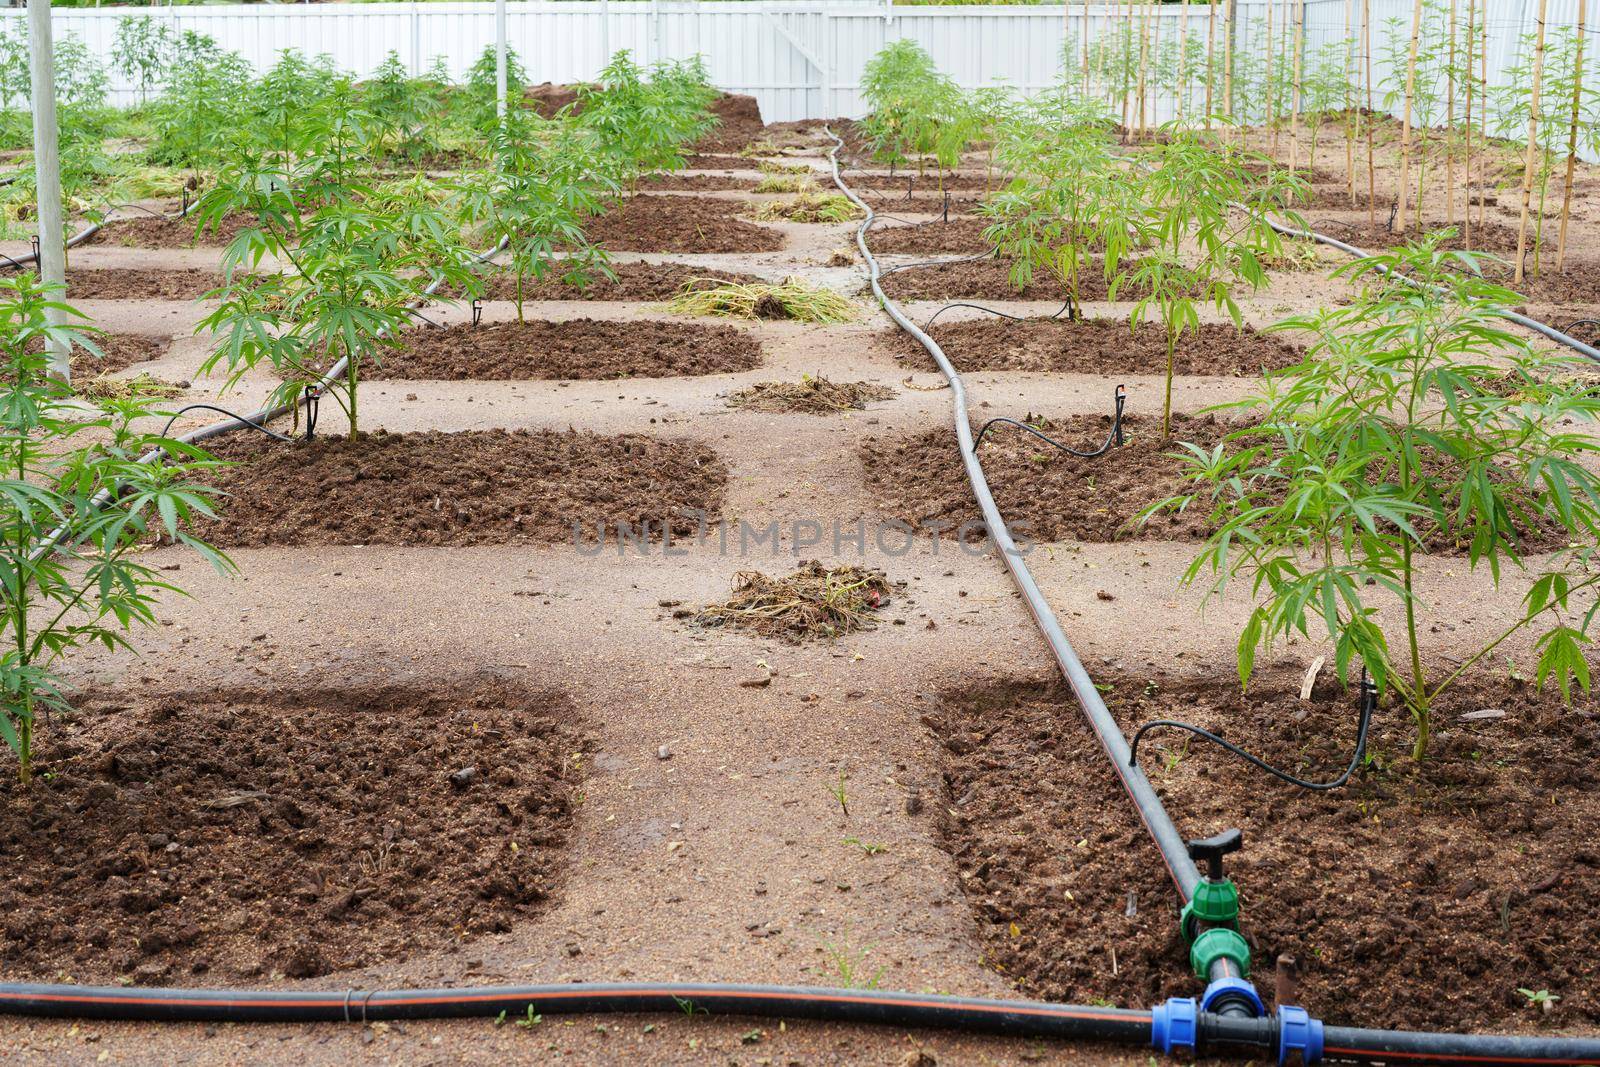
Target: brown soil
681 224
139 283
471 488
1335 195
1049 495
923 184
739 124
147 231
989 279
119 351
213 836
705 161
958 235
1492 237
1093 346
1456 879
574 348
813 602
633 281
698 182
812 396
548 98
894 205
1577 287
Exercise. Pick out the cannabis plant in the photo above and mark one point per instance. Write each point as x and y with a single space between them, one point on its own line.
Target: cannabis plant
1419 424
74 472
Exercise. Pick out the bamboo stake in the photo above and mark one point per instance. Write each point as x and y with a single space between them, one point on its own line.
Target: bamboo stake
1572 138
1183 61
1086 49
1466 215
1400 219
1349 103
1294 104
1372 172
1211 57
1124 48
1450 124
1227 61
1144 66
1271 81
1533 138
1483 83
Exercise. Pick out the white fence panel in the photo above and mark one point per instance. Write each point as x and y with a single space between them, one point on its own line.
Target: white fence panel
799 58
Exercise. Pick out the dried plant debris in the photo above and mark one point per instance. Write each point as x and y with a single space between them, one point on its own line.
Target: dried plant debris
809 396
792 299
808 207
106 387
813 602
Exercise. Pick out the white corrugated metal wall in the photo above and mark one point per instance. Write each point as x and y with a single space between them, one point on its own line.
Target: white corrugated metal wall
799 58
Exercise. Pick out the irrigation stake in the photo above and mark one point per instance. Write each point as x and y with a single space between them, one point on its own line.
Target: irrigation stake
1400 219
47 168
1533 137
1572 138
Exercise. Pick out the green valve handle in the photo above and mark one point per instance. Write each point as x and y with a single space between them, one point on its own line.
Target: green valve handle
1216 899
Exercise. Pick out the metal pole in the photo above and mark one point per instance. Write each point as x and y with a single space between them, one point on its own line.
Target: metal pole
47 170
500 57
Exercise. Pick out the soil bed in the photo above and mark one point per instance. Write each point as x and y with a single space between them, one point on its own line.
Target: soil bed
681 224
140 283
738 124
1049 495
699 182
811 396
926 184
959 235
574 348
1421 896
206 837
1492 238
118 351
1096 346
989 279
471 488
147 231
633 281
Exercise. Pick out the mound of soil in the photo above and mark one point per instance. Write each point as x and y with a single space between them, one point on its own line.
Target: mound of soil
989 279
681 224
574 348
485 487
147 231
924 184
1420 896
1492 237
1578 287
738 124
891 204
1095 346
698 182
213 836
811 396
139 283
119 351
548 98
633 281
705 161
959 235
1048 495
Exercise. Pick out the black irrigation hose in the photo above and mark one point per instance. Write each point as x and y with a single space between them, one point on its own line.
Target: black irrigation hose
1369 703
1010 1017
1457 1050
1174 852
1113 439
1066 309
240 420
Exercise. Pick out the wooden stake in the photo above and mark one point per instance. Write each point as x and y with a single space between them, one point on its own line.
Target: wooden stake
1372 172
1227 60
1349 102
1086 49
1483 84
1572 138
1183 61
1294 104
1272 86
1400 218
1533 138
1211 57
1450 124
1144 65
1472 37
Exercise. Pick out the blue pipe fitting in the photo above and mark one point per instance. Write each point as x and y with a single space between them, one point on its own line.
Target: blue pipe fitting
1232 989
1175 1024
1298 1032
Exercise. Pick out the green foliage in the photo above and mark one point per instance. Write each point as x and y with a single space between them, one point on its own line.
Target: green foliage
476 100
643 120
1419 421
143 48
917 112
545 183
78 471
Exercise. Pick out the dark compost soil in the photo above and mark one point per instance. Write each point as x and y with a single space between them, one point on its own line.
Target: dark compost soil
699 182
139 283
574 348
1492 238
1049 495
959 235
989 279
1422 895
632 281
147 231
738 124
924 184
681 224
471 488
1093 346
214 836
118 351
